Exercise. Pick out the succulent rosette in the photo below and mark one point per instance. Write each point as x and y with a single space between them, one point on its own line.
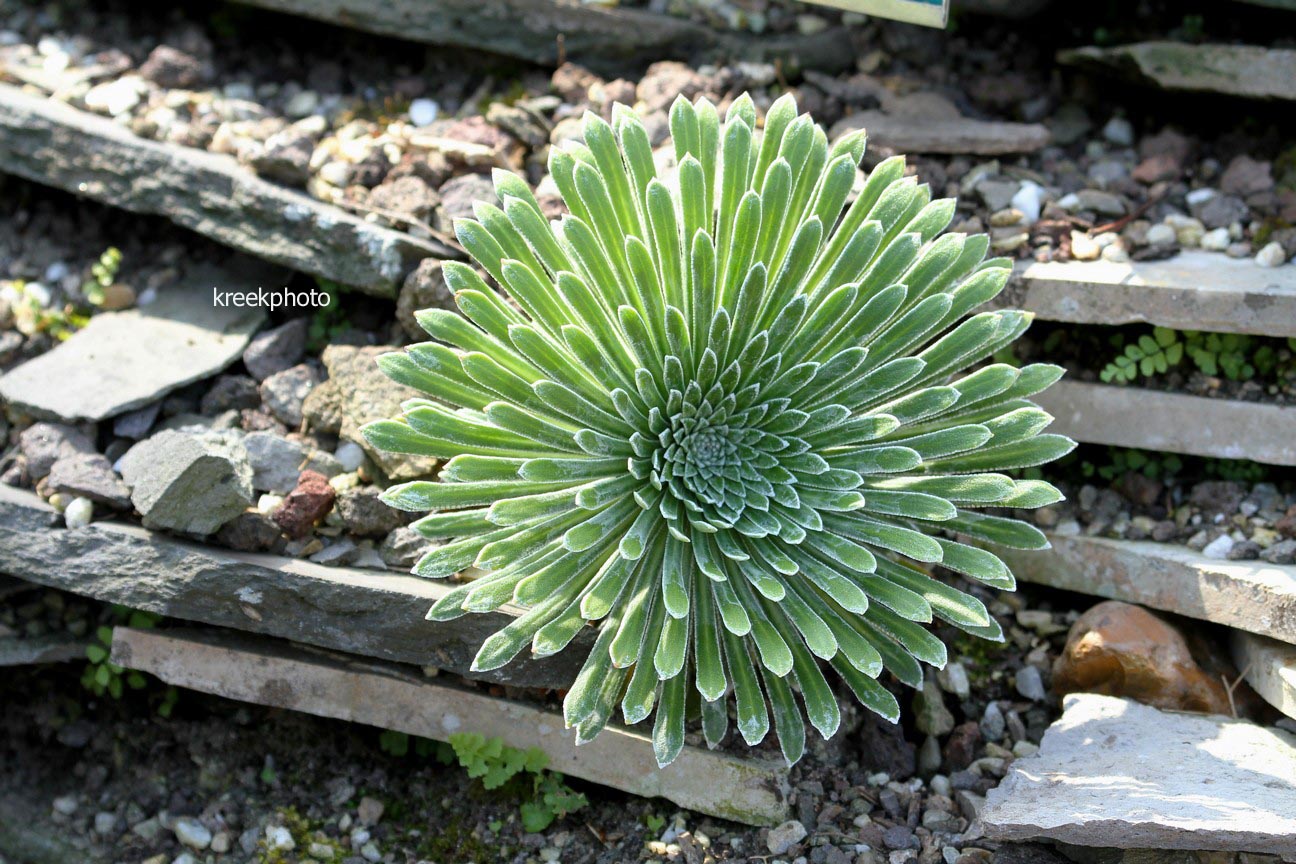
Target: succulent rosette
720 414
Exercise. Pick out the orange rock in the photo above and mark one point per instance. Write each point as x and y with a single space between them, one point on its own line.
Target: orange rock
1119 649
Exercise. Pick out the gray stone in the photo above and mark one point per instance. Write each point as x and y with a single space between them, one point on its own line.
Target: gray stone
38 650
366 394
276 350
916 134
192 833
52 143
424 288
602 36
365 515
785 836
266 672
276 461
89 475
284 392
1115 773
322 409
43 444
408 196
284 157
458 197
1198 425
1194 290
1221 211
356 611
1030 685
1258 598
1269 666
188 482
932 717
992 722
125 360
230 393
403 547
136 424
1235 70
250 531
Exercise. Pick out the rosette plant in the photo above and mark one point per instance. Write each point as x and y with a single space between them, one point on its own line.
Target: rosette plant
720 414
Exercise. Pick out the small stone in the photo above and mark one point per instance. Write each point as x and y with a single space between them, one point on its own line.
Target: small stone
369 852
182 858
89 475
960 747
1119 131
43 444
369 811
423 112
403 547
1083 247
1029 200
220 843
115 97
1216 240
1161 235
1272 255
105 823
349 455
276 350
172 68
1282 552
992 722
365 515
929 756
785 836
192 833
303 506
284 392
424 288
409 196
65 805
1030 685
320 851
192 482
250 532
230 393
1219 548
953 679
932 717
78 513
279 838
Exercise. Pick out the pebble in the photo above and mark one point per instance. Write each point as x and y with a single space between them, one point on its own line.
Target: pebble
279 837
350 456
65 804
1272 255
78 513
370 852
1030 684
1219 548
322 851
423 112
369 811
1083 247
1029 200
785 836
184 858
105 823
1119 131
114 97
992 722
192 833
1161 235
1216 240
220 843
953 679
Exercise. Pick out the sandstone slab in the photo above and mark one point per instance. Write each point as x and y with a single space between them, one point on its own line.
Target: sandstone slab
915 133
374 613
125 360
1234 70
1194 290
1248 595
394 697
1175 422
1114 773
1269 666
52 143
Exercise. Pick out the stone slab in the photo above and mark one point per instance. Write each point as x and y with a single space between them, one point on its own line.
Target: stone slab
36 650
600 36
125 360
1233 70
1194 290
1114 773
1247 595
1269 666
52 143
913 133
1173 422
391 697
374 613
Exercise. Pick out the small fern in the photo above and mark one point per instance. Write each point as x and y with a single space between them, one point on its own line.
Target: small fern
1148 356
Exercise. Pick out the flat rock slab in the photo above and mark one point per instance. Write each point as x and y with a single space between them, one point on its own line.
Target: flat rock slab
52 143
912 133
548 31
1174 422
1114 773
1194 290
390 697
124 360
1234 70
1269 666
1247 595
373 613
36 650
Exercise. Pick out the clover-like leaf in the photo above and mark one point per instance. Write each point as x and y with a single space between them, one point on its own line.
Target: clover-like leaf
721 415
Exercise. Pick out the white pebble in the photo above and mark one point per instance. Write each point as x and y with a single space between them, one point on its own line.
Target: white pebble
1161 235
1083 247
1029 199
192 833
423 111
1272 255
1199 196
78 513
1216 240
105 822
335 173
65 804
279 837
350 455
1219 547
1116 254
